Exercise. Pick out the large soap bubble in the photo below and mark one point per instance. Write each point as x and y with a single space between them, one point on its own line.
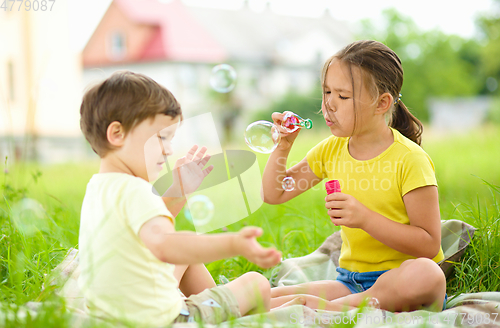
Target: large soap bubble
223 78
262 137
200 210
28 216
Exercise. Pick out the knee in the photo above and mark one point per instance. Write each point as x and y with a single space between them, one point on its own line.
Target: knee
428 278
258 282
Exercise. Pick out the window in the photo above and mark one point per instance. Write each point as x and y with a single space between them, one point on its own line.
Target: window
117 47
10 80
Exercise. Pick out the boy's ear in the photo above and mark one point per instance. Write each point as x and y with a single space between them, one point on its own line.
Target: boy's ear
385 101
115 134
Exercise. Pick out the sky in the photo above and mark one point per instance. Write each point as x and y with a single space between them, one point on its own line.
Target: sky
450 16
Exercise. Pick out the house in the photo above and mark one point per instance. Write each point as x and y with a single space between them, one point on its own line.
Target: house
458 114
178 45
42 79
39 86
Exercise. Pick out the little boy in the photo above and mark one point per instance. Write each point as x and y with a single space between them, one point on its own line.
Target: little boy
132 259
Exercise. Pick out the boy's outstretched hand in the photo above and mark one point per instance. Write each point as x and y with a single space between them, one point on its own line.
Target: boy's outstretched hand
189 172
245 243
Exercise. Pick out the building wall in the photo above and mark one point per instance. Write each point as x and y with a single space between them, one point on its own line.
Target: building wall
97 51
46 78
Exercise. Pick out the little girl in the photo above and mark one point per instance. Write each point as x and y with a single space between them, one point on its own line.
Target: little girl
388 209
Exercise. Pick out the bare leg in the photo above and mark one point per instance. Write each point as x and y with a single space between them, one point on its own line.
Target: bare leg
193 279
252 291
311 301
327 289
415 284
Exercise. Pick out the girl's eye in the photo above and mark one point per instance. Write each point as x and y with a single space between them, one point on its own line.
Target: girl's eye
327 92
343 98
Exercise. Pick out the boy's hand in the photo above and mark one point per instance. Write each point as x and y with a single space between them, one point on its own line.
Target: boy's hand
287 139
188 172
346 210
245 242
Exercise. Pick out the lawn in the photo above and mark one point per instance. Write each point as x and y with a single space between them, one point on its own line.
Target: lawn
464 165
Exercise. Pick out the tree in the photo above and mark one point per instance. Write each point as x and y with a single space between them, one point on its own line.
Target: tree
490 52
434 64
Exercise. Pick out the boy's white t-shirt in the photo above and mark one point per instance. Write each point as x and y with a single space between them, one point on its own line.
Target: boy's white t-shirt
120 277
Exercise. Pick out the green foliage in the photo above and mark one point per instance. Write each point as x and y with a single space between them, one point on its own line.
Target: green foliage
296 228
494 112
435 64
31 242
479 271
490 52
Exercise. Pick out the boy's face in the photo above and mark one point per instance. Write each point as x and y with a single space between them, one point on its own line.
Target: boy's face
147 145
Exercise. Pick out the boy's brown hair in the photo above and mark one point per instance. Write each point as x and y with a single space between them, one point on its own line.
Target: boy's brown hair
126 97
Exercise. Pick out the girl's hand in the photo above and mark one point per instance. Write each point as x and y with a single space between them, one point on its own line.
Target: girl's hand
286 138
345 210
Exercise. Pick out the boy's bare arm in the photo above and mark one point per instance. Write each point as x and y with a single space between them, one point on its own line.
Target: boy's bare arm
174 204
160 237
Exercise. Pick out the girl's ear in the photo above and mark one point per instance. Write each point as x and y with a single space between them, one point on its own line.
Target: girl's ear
385 101
115 134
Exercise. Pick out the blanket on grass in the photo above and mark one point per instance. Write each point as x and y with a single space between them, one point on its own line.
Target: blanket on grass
465 310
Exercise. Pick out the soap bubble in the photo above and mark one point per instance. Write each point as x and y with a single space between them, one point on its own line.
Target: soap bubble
28 216
262 137
374 303
288 184
200 210
223 280
223 78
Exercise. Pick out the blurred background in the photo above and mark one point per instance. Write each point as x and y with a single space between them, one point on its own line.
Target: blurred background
451 58
450 54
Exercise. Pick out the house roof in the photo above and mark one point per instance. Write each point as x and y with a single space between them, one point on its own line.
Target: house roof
178 35
263 36
198 34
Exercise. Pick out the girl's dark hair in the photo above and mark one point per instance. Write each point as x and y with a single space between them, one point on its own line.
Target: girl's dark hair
383 71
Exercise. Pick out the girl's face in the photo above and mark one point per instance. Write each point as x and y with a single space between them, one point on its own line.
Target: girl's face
338 102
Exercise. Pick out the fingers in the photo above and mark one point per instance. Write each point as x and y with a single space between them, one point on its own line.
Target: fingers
204 161
191 152
335 204
206 171
335 213
277 117
249 232
336 196
269 258
337 221
200 154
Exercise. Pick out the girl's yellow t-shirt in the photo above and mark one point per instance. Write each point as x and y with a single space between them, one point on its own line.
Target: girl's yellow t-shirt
380 184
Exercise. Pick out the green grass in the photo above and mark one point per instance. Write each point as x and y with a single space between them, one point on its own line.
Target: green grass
463 166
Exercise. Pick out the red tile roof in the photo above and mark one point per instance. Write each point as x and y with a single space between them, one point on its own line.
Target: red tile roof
179 36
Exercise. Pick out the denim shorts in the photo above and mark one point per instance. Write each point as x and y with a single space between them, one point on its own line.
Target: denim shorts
358 282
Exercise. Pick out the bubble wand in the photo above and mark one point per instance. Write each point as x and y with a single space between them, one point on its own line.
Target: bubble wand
292 122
